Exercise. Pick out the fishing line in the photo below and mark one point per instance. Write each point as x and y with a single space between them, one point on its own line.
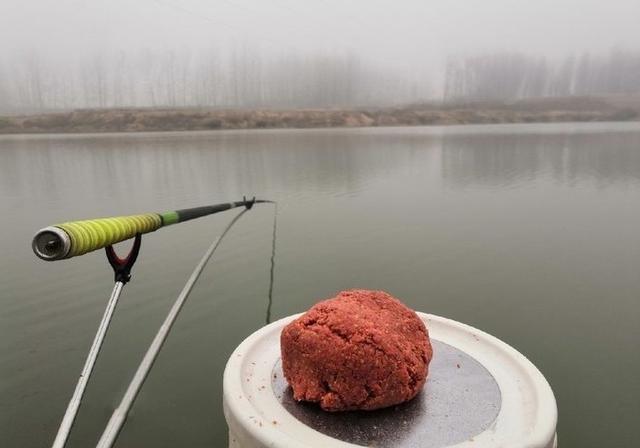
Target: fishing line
273 262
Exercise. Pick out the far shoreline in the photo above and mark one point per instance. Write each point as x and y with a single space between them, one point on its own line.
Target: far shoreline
119 120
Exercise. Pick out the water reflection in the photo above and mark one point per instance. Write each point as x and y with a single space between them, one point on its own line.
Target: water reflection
498 160
401 209
225 163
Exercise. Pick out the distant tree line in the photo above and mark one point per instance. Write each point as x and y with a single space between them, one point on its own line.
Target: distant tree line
507 76
180 78
244 78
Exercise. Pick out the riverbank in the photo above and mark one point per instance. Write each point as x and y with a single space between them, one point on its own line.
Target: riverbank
543 110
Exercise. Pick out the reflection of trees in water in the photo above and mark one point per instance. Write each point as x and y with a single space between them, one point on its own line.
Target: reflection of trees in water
507 159
190 166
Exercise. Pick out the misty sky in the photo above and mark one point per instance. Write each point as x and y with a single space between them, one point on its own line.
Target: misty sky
399 33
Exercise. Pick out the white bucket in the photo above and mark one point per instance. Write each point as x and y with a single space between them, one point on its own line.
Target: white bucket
480 392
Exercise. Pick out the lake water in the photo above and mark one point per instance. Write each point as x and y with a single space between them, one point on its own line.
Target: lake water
529 232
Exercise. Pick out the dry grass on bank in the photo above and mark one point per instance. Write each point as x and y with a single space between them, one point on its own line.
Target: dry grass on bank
138 120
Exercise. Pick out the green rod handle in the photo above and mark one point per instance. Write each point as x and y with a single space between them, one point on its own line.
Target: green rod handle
74 238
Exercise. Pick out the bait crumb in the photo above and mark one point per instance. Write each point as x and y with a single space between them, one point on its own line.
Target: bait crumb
361 350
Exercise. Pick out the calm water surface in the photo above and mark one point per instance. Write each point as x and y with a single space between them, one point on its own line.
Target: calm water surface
530 232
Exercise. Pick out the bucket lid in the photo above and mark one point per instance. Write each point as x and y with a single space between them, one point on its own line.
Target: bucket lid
480 392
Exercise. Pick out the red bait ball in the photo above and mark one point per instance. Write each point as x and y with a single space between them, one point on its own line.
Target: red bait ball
359 350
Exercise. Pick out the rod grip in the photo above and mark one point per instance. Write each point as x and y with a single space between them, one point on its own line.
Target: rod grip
75 238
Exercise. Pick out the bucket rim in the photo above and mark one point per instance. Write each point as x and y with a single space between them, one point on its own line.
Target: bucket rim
527 417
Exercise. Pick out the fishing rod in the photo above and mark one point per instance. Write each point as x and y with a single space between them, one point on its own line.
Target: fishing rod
74 238
70 239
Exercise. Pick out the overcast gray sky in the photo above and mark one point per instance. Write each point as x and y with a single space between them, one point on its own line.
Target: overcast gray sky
404 33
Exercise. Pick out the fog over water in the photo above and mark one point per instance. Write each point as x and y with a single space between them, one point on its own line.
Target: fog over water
316 53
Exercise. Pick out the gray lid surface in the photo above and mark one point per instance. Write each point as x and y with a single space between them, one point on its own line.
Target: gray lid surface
460 400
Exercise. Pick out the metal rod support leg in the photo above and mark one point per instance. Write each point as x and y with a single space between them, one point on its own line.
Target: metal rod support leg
74 404
120 414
